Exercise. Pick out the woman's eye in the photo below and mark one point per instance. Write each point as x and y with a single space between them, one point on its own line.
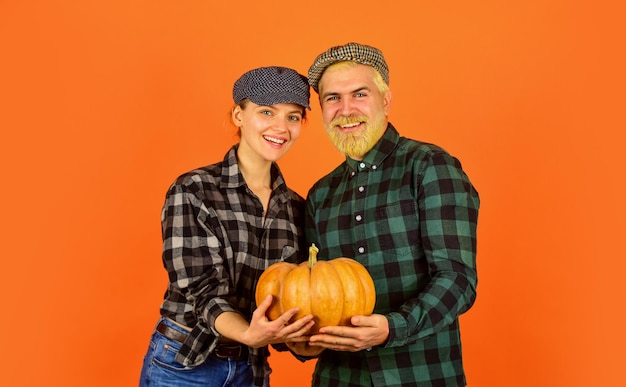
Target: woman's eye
294 118
266 112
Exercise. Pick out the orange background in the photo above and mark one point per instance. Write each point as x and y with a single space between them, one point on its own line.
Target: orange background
103 104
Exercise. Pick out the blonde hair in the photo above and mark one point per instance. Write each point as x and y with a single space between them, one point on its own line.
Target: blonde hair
378 80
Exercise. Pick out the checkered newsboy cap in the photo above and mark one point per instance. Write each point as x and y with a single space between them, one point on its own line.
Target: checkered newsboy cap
272 85
354 52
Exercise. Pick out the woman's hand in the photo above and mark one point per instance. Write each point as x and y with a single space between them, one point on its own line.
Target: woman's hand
304 349
261 331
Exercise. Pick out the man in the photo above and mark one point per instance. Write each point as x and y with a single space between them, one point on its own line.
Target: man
405 210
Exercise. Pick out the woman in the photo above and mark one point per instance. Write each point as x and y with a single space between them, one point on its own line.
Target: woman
222 226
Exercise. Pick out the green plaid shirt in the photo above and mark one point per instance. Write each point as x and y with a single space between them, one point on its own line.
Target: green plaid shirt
408 213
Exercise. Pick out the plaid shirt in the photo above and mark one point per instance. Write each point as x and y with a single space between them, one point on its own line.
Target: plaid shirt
408 213
216 243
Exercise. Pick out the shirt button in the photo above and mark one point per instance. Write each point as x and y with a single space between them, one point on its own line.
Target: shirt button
362 165
358 218
361 189
374 167
361 250
353 173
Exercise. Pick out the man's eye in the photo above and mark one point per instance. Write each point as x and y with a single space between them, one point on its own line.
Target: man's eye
266 112
294 118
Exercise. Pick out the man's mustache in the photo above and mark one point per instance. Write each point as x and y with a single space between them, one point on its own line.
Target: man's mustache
348 120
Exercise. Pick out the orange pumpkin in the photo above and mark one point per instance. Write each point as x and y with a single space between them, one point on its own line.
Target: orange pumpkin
332 291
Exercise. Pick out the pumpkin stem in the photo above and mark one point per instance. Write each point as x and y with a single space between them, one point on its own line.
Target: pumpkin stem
313 250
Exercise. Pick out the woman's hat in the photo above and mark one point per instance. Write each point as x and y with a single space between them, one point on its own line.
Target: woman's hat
272 85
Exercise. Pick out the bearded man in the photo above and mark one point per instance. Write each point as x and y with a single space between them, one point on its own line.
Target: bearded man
407 211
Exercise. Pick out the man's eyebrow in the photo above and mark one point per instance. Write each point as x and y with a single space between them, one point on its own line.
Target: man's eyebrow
364 88
357 90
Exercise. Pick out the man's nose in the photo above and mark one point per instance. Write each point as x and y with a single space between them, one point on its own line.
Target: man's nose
347 107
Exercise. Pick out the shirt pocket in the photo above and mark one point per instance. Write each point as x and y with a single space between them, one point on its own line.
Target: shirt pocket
397 227
289 254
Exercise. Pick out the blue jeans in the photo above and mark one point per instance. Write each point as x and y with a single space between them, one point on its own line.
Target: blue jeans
160 369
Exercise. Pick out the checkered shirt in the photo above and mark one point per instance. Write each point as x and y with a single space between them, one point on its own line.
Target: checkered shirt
408 213
216 243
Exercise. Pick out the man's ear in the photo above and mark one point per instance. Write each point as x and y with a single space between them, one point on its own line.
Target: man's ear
387 101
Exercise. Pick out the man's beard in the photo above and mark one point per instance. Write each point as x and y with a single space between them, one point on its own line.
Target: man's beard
356 144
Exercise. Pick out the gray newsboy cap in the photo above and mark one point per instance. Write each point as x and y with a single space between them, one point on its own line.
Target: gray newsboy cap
353 52
272 85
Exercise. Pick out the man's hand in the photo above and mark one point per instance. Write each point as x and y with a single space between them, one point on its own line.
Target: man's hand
367 332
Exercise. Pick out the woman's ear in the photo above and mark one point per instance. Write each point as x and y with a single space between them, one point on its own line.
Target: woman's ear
236 115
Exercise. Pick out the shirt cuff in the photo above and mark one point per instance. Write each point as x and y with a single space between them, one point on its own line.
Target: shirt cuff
214 308
398 330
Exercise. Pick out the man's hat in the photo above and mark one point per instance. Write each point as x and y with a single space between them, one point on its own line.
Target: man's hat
353 52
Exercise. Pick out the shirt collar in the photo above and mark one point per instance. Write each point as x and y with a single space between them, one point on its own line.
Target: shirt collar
383 148
231 174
